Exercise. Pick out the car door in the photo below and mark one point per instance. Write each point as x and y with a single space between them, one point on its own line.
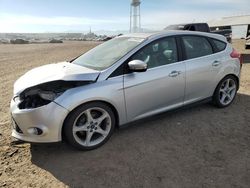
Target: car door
161 87
202 67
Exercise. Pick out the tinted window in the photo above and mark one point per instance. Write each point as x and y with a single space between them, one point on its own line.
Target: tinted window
161 52
220 46
196 46
202 27
192 28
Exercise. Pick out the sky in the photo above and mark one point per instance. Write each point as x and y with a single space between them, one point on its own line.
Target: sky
32 16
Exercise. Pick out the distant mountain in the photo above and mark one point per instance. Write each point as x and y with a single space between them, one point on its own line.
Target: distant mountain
64 35
108 32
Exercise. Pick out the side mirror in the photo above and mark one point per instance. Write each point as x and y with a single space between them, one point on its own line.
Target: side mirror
137 66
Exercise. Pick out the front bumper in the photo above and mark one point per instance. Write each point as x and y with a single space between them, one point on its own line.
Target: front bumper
48 119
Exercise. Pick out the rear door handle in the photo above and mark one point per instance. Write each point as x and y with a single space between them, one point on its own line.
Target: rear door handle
174 73
216 63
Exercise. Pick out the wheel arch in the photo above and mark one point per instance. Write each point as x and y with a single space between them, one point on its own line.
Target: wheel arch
116 114
235 76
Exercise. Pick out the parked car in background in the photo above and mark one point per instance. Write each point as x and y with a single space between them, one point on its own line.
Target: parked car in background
225 32
122 80
202 27
247 45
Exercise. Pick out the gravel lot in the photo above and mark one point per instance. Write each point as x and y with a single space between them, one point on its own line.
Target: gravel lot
199 146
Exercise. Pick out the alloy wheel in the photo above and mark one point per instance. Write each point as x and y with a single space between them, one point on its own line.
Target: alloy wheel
92 126
227 91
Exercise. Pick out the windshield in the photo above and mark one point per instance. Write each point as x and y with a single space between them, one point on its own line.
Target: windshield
106 54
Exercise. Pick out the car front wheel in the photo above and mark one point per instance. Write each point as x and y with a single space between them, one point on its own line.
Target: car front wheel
225 91
89 126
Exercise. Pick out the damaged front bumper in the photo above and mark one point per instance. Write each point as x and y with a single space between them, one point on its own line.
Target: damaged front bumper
40 125
36 117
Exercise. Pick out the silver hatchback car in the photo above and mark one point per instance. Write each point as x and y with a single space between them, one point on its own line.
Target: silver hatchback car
125 79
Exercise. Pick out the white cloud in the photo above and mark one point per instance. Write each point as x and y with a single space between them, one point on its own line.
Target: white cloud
67 21
159 20
156 20
27 23
226 2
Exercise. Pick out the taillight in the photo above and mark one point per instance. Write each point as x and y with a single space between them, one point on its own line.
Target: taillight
237 55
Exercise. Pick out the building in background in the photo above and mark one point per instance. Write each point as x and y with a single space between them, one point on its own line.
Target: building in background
240 25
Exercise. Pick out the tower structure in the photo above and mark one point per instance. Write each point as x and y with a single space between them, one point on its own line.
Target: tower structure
135 16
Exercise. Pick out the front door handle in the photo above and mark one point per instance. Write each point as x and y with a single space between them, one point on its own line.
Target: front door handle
174 73
216 63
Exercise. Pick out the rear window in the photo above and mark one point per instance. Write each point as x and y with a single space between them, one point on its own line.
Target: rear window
220 46
202 27
175 27
196 46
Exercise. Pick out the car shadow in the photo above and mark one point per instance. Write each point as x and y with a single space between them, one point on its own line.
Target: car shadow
199 146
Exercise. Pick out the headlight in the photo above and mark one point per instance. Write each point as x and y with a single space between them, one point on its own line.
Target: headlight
17 99
48 95
43 94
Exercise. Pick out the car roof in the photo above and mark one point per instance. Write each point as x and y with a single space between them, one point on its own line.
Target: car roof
164 33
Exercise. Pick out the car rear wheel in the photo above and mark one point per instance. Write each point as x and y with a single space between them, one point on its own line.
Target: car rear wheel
89 126
225 92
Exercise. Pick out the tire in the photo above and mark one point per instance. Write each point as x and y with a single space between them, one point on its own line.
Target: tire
89 126
225 91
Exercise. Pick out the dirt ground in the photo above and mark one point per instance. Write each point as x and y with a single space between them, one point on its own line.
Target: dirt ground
239 44
200 146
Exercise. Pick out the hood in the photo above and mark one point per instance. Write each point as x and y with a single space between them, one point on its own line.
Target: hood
52 72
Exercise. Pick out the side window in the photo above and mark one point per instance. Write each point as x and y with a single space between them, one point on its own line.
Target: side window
196 46
220 46
192 28
158 53
201 27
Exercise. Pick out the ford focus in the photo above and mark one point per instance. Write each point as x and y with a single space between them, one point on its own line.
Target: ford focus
122 80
